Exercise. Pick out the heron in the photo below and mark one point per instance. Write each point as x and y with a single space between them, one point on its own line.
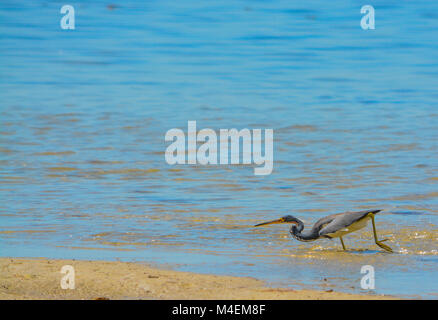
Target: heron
332 226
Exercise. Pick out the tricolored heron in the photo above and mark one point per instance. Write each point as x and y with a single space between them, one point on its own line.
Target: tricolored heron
332 226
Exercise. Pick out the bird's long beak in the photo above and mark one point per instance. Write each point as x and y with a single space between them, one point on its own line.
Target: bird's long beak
281 220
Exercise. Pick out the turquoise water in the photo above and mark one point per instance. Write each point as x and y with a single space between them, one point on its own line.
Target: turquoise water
84 112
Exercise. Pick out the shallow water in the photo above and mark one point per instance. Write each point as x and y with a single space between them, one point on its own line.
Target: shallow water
84 112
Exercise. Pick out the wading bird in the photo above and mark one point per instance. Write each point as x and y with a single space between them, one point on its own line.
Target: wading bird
332 226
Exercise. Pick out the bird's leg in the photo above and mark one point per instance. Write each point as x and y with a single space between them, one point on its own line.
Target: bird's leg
342 242
379 243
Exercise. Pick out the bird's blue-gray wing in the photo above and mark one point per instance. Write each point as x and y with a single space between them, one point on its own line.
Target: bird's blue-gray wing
342 221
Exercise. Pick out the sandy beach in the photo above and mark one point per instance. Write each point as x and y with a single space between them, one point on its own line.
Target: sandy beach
40 279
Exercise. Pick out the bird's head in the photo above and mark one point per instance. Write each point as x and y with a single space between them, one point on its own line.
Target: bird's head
285 219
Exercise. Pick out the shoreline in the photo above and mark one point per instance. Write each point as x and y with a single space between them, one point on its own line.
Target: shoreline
40 278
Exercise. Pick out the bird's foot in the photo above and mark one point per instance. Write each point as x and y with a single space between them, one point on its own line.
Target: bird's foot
384 246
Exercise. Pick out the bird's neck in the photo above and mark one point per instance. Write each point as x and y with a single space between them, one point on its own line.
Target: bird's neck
297 232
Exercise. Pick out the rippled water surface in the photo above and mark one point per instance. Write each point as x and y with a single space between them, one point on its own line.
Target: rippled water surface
83 114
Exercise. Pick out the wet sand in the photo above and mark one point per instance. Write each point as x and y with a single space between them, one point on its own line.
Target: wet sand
40 279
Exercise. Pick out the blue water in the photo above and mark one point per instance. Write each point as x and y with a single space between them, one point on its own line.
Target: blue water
84 112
